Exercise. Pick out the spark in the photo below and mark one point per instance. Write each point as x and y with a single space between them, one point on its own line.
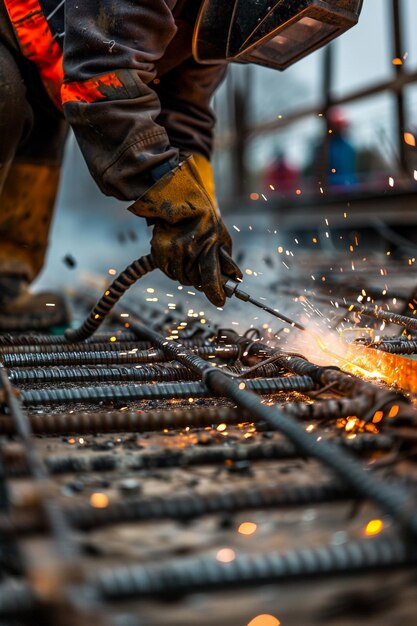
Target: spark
225 555
374 527
410 140
247 528
264 620
99 500
394 411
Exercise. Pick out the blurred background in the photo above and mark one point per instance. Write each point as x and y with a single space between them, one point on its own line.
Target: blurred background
320 154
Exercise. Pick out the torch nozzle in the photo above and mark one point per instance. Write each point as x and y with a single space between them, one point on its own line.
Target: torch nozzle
231 288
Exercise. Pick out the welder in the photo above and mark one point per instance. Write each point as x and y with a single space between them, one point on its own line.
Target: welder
134 80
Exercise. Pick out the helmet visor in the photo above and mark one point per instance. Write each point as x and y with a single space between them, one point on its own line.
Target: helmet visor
274 34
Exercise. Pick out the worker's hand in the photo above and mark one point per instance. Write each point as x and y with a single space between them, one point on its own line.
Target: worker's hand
190 242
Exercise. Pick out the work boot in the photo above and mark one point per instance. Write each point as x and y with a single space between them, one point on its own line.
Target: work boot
22 310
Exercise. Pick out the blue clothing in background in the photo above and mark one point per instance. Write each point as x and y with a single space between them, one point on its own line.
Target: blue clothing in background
342 158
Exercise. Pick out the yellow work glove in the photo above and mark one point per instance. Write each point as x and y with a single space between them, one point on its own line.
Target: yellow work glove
190 242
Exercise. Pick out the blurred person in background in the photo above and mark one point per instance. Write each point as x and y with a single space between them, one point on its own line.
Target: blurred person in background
280 176
334 160
134 80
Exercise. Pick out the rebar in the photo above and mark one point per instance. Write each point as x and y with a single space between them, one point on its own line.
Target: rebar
188 506
120 357
65 546
196 456
76 347
127 421
188 576
124 374
380 314
7 340
191 505
392 499
157 391
101 374
396 347
92 346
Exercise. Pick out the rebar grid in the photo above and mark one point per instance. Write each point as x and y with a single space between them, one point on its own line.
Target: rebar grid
191 376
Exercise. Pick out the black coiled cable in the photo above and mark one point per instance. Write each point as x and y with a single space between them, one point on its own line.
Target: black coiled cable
111 296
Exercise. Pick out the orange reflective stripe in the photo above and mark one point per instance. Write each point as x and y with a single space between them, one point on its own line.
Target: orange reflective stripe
37 43
90 90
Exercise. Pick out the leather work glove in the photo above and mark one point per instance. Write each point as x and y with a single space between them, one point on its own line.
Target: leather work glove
190 242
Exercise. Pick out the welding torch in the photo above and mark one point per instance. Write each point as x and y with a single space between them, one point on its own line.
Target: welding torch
231 288
136 271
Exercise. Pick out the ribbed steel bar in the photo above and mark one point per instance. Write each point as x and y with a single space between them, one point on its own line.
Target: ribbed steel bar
127 421
392 499
91 346
188 506
157 391
106 357
76 347
101 374
65 547
123 374
191 575
186 576
381 314
210 455
397 347
7 340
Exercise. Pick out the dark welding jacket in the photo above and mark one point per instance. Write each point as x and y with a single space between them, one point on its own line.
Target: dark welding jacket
124 74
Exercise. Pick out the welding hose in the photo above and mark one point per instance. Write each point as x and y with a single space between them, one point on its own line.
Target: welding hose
118 288
111 296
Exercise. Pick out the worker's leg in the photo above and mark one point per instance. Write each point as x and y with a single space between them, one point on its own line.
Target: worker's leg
15 123
31 146
32 165
28 196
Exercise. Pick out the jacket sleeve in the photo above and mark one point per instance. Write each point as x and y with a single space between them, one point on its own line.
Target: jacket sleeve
185 94
110 51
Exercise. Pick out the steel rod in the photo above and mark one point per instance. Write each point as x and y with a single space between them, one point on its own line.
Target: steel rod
124 374
391 498
120 357
157 391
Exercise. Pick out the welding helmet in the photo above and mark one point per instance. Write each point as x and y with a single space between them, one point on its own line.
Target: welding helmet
274 33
